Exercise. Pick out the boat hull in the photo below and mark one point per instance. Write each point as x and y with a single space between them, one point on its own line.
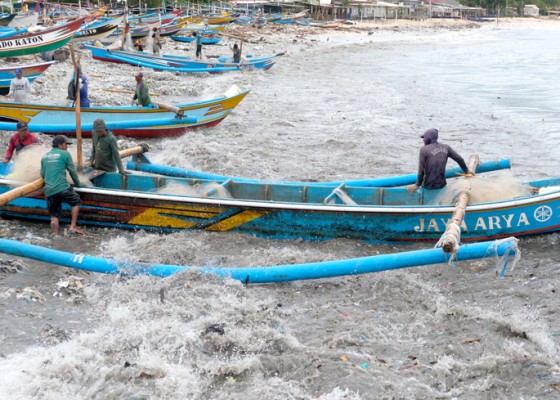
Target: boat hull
39 42
258 209
208 113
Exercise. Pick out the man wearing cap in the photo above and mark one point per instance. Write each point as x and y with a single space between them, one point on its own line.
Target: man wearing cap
19 87
142 94
104 151
433 161
19 140
54 165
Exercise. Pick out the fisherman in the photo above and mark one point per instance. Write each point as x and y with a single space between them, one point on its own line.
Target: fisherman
432 163
19 140
54 165
156 41
104 151
142 94
198 44
236 50
19 87
138 45
83 84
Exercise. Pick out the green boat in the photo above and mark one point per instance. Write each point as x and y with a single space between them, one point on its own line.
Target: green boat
39 41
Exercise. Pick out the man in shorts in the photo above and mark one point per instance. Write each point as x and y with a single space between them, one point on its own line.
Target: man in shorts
54 165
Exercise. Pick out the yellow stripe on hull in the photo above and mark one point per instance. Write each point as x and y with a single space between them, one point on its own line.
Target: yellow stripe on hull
235 221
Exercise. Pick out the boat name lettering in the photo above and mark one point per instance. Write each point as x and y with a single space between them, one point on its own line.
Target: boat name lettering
91 31
22 42
482 223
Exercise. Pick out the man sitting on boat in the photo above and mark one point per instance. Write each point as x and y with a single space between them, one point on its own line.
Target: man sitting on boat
19 140
104 151
142 94
19 87
432 163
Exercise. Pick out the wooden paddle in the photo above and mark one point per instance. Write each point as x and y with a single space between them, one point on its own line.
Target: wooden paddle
20 191
450 239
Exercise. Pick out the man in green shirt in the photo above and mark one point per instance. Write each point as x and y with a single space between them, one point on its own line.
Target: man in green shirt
54 165
104 151
142 93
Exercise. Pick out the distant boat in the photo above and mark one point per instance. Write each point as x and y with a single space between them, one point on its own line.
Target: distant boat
39 41
6 18
205 40
96 30
31 72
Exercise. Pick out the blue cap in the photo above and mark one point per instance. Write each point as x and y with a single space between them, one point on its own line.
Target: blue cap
19 71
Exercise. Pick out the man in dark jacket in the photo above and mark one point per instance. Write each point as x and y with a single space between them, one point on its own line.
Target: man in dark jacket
433 161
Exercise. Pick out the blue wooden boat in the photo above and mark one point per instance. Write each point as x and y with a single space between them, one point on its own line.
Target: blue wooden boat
293 211
143 164
199 114
280 273
145 60
180 63
30 71
205 40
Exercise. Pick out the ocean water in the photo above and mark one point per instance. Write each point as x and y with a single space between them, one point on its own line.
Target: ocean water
342 106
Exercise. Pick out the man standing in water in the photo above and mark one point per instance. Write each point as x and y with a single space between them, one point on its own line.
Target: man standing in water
104 151
54 165
432 163
142 94
19 140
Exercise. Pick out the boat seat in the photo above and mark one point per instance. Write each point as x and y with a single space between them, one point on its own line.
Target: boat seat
338 192
93 173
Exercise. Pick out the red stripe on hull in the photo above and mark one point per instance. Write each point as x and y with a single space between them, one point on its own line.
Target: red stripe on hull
147 133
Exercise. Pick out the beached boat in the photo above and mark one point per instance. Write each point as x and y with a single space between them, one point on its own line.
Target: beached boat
183 64
40 41
205 40
6 18
504 249
31 72
206 113
145 60
282 211
96 30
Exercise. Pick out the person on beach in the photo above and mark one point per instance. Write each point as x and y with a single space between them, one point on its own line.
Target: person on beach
236 50
156 44
19 140
54 165
83 85
138 45
432 163
104 151
198 44
19 87
142 94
